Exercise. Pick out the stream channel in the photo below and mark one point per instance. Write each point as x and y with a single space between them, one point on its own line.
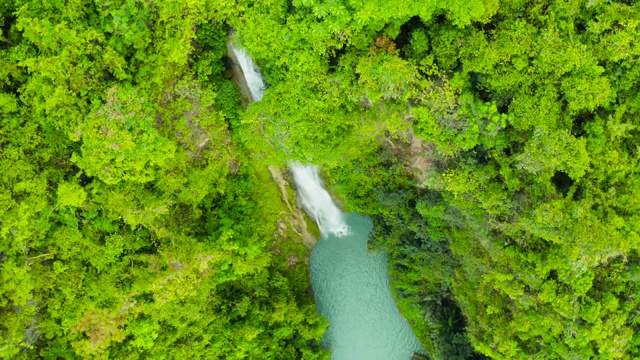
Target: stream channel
350 284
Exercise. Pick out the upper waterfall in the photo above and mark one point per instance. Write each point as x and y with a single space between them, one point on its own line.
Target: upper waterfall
317 201
252 75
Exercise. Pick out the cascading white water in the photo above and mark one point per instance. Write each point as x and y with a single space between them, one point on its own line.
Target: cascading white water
317 201
251 73
351 285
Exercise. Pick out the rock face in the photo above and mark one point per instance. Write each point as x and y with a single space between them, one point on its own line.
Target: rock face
414 152
295 220
420 158
417 356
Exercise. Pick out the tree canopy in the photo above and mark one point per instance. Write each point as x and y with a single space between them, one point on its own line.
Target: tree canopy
494 143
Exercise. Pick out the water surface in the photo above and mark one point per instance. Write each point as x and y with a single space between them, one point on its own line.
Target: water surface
352 290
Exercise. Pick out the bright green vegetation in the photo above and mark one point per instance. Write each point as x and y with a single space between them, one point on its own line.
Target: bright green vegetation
495 145
131 222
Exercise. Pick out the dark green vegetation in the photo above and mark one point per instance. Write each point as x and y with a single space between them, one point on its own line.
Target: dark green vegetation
495 145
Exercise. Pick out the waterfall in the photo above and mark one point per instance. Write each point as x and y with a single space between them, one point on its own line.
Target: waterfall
314 198
317 201
351 286
251 73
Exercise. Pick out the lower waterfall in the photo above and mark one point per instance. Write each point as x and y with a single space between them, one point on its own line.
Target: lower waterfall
350 284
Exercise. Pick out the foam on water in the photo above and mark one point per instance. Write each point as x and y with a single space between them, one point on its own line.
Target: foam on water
317 201
252 74
350 284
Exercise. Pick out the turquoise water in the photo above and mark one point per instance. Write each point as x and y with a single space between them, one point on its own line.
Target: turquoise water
351 287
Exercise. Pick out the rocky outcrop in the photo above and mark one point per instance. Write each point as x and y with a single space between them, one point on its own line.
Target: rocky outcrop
417 356
295 220
416 153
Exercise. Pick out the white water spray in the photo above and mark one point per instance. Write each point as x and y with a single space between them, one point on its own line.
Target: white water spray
251 72
317 201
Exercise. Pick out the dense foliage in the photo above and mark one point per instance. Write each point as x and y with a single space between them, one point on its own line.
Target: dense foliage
130 220
495 144
510 209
